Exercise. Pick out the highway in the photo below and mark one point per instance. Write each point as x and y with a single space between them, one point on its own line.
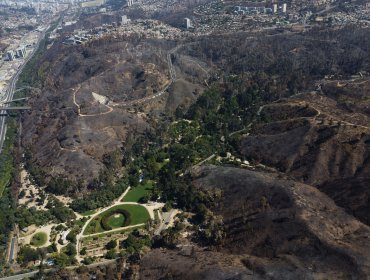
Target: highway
33 273
10 92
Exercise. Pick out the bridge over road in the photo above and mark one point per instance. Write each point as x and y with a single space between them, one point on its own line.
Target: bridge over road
14 100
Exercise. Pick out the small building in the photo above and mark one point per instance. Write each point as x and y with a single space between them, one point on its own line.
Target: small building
21 52
63 236
187 23
284 8
24 229
125 20
275 8
10 55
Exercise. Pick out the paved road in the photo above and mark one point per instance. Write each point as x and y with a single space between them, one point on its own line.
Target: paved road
12 247
10 92
20 276
33 273
165 220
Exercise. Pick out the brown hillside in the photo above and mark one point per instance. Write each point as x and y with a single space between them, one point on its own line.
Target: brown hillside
275 229
320 139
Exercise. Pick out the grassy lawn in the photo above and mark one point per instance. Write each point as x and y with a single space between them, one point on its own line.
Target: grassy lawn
138 215
88 213
135 194
113 234
116 220
94 226
39 239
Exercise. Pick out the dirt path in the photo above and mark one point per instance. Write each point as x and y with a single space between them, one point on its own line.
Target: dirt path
112 230
46 229
110 109
150 207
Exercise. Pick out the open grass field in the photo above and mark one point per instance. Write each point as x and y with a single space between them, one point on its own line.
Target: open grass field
39 239
118 233
116 220
135 194
137 215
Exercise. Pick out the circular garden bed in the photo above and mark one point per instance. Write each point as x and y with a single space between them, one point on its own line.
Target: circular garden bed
39 239
115 219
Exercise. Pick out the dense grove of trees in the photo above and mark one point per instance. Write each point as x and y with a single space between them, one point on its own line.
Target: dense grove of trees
134 242
201 131
204 129
57 213
99 197
7 209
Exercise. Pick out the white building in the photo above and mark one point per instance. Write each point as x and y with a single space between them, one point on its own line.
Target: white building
275 8
21 52
125 20
187 23
284 8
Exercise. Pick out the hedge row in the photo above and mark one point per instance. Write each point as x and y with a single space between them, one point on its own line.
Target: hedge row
104 219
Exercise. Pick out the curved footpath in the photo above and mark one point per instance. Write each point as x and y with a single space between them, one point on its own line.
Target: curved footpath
150 207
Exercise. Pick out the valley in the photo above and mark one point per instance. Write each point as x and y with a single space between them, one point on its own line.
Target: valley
191 140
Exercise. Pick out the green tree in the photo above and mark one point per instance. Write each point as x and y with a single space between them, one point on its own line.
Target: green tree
71 236
111 245
111 254
83 251
62 259
181 156
70 249
27 254
88 260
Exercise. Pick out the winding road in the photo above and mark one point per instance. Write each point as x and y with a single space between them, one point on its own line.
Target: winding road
172 73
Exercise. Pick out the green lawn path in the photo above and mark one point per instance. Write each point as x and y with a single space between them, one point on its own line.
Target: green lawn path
118 232
136 193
